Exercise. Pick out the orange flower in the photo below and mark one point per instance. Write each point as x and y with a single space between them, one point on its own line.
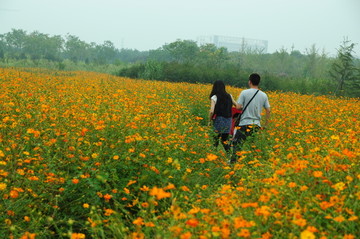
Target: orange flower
193 222
244 233
138 221
349 236
131 182
263 211
149 224
211 157
10 213
300 222
339 219
107 197
159 193
185 189
77 236
14 194
145 204
144 188
292 185
186 235
266 235
312 229
317 174
240 222
28 235
75 181
108 212
170 186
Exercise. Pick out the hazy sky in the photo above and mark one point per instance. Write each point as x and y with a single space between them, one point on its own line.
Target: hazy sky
149 24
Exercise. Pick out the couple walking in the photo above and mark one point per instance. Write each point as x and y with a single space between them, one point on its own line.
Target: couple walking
250 101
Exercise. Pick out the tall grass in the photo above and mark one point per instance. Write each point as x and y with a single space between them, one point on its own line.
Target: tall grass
89 155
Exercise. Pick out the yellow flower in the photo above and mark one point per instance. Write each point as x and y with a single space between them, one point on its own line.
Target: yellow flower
339 186
307 235
3 186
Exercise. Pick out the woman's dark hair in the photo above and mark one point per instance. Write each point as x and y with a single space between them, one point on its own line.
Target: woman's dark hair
224 102
218 89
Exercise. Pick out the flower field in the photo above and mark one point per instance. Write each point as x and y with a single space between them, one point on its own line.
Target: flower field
90 155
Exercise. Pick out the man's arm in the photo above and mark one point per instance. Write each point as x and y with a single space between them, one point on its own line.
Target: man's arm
239 106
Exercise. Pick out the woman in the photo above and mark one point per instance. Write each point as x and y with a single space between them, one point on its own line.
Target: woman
220 113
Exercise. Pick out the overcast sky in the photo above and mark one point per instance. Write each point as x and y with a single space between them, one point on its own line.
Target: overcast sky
149 24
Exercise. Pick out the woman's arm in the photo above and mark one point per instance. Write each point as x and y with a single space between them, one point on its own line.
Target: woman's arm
211 111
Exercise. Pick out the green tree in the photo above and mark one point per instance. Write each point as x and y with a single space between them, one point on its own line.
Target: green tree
3 47
153 70
105 53
41 46
182 51
76 49
54 47
344 72
282 60
15 41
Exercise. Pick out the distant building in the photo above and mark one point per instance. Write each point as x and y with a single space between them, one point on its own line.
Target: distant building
239 44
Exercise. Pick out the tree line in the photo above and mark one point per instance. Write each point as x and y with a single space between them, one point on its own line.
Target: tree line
312 72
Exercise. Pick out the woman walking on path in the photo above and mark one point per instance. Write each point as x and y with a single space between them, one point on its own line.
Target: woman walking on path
220 114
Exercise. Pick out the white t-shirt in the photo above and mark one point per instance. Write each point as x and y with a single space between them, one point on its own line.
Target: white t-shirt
252 114
214 98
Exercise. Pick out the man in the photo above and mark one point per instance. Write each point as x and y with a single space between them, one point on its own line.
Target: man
251 117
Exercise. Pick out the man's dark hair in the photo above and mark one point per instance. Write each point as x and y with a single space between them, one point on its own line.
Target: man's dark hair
255 78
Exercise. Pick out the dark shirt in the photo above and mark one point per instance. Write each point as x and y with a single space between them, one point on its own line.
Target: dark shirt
223 106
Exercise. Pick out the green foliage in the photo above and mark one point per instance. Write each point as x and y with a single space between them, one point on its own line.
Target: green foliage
185 61
183 51
344 72
152 70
